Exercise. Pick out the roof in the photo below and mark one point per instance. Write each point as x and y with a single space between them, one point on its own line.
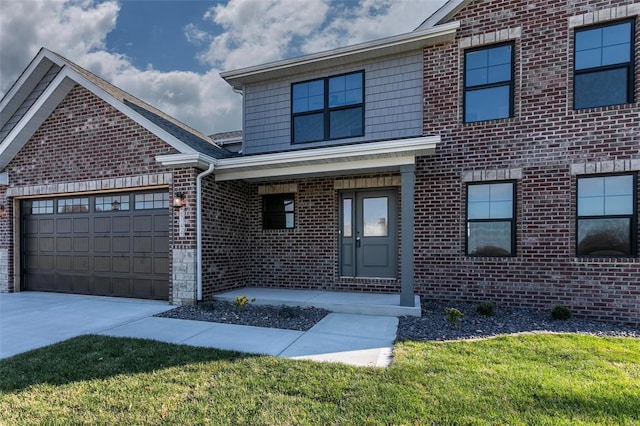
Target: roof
444 14
342 56
19 105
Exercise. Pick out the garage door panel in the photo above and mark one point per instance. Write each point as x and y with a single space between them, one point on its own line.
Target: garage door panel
142 265
46 244
102 264
142 244
121 224
81 225
142 223
64 226
120 244
102 244
121 252
121 264
64 244
45 226
102 224
161 244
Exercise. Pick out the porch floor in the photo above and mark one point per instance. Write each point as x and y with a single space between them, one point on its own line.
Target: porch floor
334 301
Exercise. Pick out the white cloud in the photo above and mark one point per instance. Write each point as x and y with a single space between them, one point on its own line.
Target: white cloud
255 32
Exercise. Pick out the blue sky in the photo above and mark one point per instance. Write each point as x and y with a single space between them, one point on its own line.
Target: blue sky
170 52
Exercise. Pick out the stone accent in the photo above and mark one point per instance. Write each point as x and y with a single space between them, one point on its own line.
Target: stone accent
604 15
282 188
489 175
610 166
362 183
490 37
184 277
4 270
130 182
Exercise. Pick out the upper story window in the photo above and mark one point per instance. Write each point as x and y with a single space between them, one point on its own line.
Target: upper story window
603 73
606 216
491 219
329 108
488 83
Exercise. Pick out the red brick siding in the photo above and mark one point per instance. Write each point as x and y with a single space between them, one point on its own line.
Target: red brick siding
225 238
543 138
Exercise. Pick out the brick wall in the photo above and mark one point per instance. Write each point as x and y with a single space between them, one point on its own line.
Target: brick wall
543 139
225 239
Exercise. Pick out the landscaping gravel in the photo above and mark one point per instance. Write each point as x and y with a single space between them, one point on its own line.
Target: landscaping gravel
433 325
285 317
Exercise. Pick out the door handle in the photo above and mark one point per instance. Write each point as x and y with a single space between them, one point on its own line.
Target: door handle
358 242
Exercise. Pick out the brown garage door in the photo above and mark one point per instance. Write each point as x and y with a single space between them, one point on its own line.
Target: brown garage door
107 244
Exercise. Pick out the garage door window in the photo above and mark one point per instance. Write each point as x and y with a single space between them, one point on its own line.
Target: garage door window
39 207
73 205
112 203
157 200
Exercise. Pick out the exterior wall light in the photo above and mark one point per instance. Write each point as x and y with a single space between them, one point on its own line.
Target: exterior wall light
115 205
3 210
179 200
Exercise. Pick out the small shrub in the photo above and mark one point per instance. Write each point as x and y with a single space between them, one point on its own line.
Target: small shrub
242 301
488 309
454 315
560 312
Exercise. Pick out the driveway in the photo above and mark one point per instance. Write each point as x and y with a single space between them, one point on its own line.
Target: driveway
30 320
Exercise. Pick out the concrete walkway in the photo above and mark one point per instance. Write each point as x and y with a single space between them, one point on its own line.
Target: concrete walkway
31 320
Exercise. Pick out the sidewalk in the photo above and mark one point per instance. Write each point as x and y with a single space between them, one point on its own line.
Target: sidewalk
361 340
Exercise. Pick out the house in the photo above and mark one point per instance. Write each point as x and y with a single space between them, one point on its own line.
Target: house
490 154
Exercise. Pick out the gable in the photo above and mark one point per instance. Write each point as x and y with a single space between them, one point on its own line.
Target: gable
86 138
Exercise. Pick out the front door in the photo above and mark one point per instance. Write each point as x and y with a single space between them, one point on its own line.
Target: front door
368 234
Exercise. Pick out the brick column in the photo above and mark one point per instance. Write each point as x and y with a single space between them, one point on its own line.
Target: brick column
407 297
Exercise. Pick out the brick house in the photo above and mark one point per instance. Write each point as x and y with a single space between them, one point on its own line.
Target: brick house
490 154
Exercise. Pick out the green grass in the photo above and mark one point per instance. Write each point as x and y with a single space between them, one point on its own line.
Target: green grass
525 379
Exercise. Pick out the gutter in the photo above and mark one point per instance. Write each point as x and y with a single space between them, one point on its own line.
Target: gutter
199 229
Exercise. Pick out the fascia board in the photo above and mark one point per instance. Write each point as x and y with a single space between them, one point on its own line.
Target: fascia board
377 164
446 10
49 100
342 152
197 160
423 35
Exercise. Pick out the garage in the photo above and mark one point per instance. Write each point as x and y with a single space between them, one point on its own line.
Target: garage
114 244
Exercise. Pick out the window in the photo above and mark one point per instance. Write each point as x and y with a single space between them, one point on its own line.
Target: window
603 65
488 83
73 205
491 219
112 203
278 211
39 207
606 216
329 108
155 200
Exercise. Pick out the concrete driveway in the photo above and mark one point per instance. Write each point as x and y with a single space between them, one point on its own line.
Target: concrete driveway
30 320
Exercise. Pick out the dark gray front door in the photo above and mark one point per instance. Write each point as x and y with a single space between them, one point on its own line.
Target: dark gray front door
108 244
368 234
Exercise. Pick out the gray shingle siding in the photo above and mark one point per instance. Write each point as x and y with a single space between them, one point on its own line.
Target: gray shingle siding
393 105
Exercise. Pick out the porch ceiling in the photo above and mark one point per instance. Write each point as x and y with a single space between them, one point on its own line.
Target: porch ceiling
367 157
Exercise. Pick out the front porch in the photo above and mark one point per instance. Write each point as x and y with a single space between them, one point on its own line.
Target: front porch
334 301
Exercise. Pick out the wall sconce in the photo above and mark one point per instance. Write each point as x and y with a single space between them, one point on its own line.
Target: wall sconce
115 205
3 210
179 200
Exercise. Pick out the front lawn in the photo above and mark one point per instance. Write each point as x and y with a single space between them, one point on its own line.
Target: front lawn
524 379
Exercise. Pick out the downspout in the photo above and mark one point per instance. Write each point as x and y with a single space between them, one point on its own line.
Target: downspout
199 228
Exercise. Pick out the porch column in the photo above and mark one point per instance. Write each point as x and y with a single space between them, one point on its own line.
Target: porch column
407 217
